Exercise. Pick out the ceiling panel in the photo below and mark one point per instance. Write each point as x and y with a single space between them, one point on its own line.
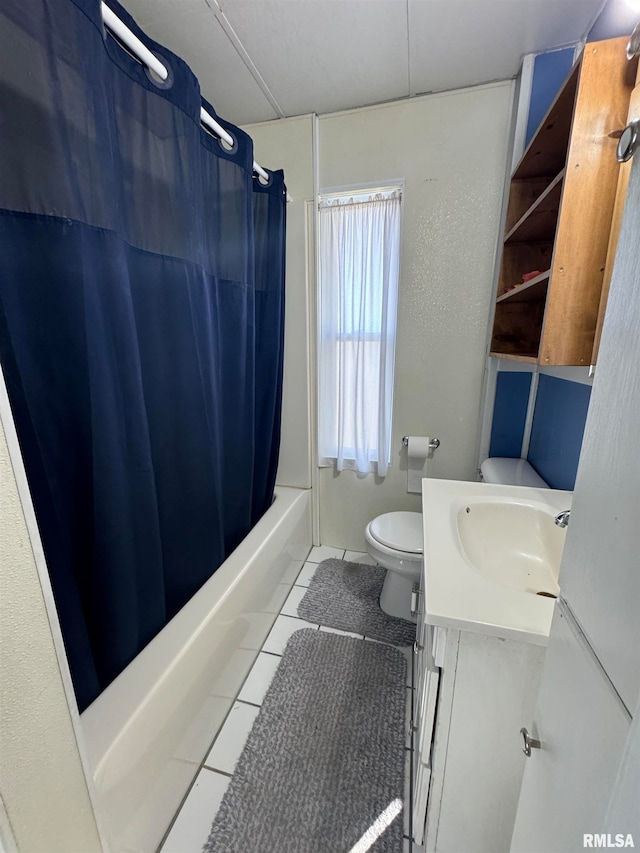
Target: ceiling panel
327 55
189 28
456 43
322 55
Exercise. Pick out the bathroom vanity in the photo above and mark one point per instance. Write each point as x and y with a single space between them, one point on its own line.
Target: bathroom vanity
489 550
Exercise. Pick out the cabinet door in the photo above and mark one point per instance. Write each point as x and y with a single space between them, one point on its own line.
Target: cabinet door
427 715
582 727
420 799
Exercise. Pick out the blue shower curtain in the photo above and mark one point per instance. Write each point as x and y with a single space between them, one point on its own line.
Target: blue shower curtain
141 325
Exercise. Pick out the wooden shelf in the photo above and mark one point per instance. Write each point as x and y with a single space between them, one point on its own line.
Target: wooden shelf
520 258
526 359
536 288
539 222
546 154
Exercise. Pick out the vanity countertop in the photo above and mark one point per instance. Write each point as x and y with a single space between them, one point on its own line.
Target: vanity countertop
489 551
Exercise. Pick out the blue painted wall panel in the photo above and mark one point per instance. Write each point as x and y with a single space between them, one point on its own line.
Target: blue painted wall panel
549 73
558 426
509 413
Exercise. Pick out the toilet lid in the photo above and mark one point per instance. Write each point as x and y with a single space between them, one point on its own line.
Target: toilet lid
399 530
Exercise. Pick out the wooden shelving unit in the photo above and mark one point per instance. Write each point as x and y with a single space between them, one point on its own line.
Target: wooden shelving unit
535 288
539 222
561 201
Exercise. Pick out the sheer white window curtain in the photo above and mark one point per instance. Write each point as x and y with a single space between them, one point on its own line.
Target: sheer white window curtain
359 250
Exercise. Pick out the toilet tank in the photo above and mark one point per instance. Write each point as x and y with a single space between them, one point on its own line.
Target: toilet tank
513 472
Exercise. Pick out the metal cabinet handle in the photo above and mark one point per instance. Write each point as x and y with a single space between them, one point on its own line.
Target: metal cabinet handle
417 648
528 742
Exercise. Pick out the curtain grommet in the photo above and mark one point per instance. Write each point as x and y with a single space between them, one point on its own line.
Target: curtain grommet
158 82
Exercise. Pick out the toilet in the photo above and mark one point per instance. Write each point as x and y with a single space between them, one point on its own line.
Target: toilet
394 541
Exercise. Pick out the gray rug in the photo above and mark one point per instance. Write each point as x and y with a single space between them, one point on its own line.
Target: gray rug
347 596
325 756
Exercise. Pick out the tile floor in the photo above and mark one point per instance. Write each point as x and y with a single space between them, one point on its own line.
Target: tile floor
191 826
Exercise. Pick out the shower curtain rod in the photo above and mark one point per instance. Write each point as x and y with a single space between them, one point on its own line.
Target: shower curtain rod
130 40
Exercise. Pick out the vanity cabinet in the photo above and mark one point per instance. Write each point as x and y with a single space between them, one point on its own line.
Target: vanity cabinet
559 216
474 693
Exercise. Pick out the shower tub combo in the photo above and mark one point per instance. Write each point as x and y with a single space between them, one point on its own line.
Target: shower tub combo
148 732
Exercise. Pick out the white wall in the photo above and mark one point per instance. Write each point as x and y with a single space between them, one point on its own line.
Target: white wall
451 149
42 781
288 144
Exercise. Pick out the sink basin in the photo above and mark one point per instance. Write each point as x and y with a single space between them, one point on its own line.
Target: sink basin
516 545
491 557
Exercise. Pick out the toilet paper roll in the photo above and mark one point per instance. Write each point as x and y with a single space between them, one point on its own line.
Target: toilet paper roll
418 447
418 451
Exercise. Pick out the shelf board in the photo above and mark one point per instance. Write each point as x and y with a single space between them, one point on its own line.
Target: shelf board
546 154
532 290
540 220
527 359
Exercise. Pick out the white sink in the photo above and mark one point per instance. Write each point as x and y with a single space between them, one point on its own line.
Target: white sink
513 544
492 556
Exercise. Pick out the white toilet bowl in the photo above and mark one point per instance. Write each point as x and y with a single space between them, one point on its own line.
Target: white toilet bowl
394 541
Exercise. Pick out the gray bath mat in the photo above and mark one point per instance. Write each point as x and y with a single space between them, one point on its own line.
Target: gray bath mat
347 596
325 757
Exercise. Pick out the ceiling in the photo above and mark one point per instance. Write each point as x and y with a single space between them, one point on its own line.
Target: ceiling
264 59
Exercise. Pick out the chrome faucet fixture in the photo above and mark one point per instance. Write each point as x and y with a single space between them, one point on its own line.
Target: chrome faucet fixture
562 518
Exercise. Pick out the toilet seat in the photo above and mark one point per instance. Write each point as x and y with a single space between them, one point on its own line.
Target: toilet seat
400 531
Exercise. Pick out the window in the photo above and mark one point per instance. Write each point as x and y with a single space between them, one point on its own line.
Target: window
359 252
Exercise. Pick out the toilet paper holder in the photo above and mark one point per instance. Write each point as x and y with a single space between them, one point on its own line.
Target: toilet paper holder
434 444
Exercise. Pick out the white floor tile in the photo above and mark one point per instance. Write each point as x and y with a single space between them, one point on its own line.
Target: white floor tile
324 552
283 628
232 738
337 631
259 679
308 571
359 557
193 824
290 607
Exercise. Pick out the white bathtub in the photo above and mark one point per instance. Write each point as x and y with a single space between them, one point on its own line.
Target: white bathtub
148 732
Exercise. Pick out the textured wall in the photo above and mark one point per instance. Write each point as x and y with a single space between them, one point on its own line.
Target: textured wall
451 149
288 145
600 576
41 782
